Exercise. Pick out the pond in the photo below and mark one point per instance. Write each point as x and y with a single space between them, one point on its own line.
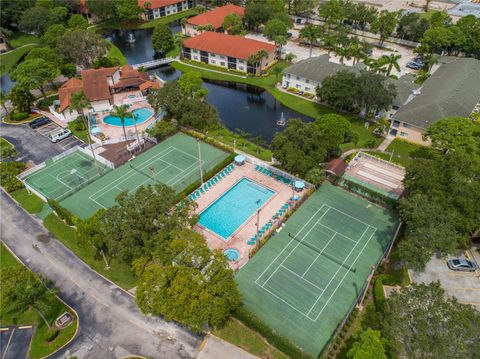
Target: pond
6 82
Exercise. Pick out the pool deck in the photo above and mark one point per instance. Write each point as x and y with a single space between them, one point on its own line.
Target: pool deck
247 230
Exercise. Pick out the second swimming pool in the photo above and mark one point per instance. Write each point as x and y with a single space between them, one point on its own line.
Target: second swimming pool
234 207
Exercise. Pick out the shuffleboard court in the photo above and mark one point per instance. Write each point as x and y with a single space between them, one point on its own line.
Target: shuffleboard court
173 162
305 280
65 176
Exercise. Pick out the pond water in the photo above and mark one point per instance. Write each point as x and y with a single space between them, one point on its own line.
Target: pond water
6 82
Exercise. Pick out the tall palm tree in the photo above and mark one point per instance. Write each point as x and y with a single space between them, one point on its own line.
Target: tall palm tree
310 34
391 61
430 60
79 102
122 113
375 65
261 54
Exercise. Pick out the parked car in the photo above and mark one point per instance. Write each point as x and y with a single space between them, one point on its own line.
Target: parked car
463 265
59 135
38 122
414 65
289 35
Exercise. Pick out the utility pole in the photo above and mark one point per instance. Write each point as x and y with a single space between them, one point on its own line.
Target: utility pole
105 259
200 160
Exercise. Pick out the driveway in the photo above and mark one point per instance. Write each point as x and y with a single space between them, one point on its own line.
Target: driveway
111 326
464 286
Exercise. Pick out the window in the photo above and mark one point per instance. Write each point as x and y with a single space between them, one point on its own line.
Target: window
307 81
212 61
396 124
222 63
407 125
298 77
403 134
297 86
288 76
195 58
241 68
307 88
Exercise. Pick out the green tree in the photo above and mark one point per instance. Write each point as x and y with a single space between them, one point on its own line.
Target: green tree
276 30
412 26
300 147
334 129
315 176
197 113
457 134
370 345
45 53
162 38
384 24
310 33
391 61
190 83
436 39
35 19
290 57
53 33
12 12
127 10
104 9
233 23
77 22
337 90
3 100
22 290
81 47
373 93
207 27
332 12
21 98
168 98
189 284
256 13
301 7
421 321
122 112
33 74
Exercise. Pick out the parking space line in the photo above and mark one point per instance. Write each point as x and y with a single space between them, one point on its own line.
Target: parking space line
4 329
8 344
25 327
100 301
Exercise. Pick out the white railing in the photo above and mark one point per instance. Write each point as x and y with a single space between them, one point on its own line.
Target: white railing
31 170
97 157
153 63
65 153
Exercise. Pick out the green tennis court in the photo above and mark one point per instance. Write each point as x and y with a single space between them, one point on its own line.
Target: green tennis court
61 178
173 162
304 281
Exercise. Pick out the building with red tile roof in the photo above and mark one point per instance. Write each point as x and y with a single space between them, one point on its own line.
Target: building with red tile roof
100 86
213 17
228 51
159 8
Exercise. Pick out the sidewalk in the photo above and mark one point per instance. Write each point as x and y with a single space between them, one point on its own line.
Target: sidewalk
216 348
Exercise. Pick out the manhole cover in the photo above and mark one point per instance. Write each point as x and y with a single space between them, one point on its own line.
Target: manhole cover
43 238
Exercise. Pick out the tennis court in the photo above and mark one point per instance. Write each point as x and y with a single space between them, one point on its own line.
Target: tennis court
173 162
61 178
304 281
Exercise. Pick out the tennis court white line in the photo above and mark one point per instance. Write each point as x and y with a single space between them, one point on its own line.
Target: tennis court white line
341 281
336 209
188 170
279 254
131 172
301 277
319 254
294 248
338 270
283 300
63 183
76 154
344 236
188 154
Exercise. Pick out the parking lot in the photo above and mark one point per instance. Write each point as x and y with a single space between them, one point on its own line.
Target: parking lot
66 143
15 341
465 286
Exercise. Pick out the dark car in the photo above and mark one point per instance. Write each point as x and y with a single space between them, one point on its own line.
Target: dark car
39 122
460 264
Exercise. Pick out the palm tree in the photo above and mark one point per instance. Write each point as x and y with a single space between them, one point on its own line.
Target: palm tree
289 57
375 65
79 102
430 60
391 61
122 113
310 34
261 54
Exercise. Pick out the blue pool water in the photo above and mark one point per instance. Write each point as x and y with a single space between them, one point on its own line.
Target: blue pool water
141 115
232 254
234 207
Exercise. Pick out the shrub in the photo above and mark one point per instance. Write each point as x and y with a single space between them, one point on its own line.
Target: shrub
62 212
379 294
45 103
18 116
273 338
8 175
371 318
51 335
163 129
78 124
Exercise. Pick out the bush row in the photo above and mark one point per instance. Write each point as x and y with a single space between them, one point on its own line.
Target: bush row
273 338
194 133
62 212
379 294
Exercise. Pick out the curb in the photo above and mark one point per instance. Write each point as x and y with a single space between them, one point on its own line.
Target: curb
56 296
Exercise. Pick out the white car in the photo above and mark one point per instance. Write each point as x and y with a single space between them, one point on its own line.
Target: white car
59 135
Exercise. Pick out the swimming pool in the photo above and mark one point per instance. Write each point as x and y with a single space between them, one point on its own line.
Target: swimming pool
141 115
227 213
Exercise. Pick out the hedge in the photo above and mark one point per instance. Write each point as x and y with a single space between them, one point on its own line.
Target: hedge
379 294
273 338
62 212
18 116
8 175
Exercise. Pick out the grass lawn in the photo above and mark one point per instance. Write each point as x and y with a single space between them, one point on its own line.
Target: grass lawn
118 273
144 25
115 53
51 306
240 335
308 108
6 149
173 52
31 117
10 59
403 152
30 202
82 134
20 38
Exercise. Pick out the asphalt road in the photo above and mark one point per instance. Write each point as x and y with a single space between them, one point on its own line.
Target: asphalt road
111 325
15 341
31 145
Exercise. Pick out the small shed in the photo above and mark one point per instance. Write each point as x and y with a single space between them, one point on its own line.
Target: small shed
336 167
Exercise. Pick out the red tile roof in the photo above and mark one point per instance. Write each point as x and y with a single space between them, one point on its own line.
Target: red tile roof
157 3
216 16
336 167
70 87
227 45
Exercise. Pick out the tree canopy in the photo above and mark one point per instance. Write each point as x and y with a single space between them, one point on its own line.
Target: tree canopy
422 322
81 47
33 74
37 19
370 345
162 38
233 23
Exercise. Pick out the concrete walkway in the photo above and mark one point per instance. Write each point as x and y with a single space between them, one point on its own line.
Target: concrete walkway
386 142
216 348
